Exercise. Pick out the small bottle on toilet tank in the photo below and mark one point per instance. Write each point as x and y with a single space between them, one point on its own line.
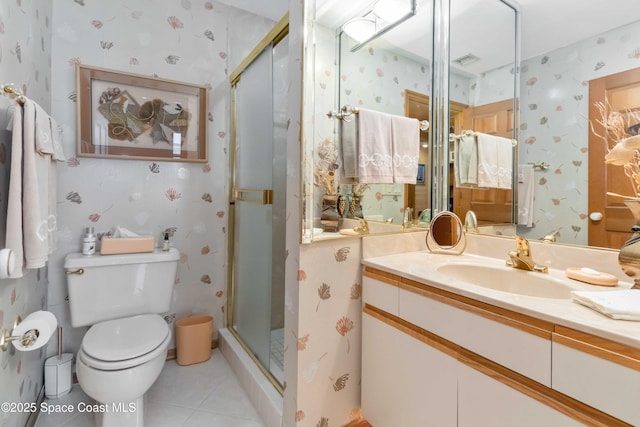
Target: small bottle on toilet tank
89 242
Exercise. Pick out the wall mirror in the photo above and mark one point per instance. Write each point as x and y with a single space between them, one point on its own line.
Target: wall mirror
558 64
561 67
393 74
376 75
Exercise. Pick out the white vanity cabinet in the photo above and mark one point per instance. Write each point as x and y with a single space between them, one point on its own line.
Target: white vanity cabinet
409 383
485 400
434 358
598 372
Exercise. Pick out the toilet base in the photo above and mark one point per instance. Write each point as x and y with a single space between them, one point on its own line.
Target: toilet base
121 414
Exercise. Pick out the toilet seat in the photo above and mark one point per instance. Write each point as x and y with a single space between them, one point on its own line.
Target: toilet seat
124 343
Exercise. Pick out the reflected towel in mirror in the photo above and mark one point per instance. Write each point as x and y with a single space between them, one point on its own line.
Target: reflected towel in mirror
349 144
495 161
375 161
405 144
465 164
526 188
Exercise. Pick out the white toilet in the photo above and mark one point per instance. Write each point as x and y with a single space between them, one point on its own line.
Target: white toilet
124 350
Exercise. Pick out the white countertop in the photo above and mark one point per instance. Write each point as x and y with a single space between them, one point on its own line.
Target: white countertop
422 266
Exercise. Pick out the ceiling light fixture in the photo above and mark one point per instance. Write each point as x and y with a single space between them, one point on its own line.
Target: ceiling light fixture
360 29
384 15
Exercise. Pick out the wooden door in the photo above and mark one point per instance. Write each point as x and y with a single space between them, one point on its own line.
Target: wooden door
622 92
416 105
491 206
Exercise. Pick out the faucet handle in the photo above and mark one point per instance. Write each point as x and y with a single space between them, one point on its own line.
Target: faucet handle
522 246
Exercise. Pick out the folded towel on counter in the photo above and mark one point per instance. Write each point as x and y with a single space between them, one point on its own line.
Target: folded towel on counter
349 144
375 161
465 162
526 188
405 145
495 158
621 305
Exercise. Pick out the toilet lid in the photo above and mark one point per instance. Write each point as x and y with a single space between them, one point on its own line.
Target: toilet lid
126 338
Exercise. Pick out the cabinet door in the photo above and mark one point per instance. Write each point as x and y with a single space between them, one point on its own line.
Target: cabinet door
405 382
486 402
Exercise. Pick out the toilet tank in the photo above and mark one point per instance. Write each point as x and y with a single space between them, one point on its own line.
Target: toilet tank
105 287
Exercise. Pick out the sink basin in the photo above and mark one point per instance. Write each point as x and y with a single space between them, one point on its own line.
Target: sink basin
507 279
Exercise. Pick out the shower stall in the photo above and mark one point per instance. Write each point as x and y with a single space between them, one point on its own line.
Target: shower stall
257 203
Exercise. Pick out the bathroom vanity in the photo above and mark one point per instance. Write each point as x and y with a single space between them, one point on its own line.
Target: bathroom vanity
439 350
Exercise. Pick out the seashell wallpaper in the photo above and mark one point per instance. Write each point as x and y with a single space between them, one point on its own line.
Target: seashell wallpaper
554 126
25 52
189 41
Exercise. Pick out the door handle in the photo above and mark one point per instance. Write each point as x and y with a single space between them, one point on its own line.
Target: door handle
595 216
261 197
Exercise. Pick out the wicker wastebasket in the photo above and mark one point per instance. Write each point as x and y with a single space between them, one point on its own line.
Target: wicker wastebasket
193 339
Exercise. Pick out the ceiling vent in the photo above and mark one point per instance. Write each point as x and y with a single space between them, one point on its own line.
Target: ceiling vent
467 59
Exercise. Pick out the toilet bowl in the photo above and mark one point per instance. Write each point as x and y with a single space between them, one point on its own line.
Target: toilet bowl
122 354
118 362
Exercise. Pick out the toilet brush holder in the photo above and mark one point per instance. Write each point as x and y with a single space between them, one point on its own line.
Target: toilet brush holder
57 372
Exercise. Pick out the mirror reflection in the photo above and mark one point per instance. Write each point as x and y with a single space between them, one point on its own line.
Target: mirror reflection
558 84
392 75
560 65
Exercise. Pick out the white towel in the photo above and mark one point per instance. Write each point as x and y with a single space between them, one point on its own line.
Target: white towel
375 161
505 163
405 146
526 188
35 198
31 207
622 304
47 135
495 157
348 141
465 162
13 238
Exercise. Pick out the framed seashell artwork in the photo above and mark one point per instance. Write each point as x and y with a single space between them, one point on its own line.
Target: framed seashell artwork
128 116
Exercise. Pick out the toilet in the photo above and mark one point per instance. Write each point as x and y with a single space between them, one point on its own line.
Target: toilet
122 354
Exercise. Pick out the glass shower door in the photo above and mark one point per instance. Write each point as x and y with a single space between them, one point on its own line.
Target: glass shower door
253 205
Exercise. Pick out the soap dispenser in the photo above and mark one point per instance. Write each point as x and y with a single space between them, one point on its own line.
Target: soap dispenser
89 242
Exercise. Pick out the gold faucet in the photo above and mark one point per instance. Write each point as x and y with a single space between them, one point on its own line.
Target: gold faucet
364 227
521 257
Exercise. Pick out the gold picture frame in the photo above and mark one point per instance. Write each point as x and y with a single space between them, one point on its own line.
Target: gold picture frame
128 116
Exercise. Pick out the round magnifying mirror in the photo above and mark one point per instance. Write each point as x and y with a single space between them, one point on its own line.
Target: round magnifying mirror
446 234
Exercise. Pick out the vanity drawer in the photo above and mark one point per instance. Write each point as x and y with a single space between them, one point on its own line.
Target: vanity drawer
491 332
380 290
600 373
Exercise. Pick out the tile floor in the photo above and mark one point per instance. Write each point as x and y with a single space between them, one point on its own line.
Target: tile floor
207 394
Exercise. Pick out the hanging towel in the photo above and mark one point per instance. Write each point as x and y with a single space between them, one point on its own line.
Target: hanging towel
465 162
35 199
31 207
47 135
375 161
405 145
505 163
526 187
622 304
13 238
495 157
349 140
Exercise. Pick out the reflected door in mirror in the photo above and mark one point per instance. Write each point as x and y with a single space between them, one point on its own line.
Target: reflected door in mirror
621 92
492 206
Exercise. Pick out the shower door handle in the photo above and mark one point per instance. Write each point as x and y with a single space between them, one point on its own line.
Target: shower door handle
261 197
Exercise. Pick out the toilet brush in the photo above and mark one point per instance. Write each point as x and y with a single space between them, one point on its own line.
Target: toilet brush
57 372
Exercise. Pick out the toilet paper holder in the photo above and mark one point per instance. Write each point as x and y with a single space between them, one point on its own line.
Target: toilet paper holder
27 339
